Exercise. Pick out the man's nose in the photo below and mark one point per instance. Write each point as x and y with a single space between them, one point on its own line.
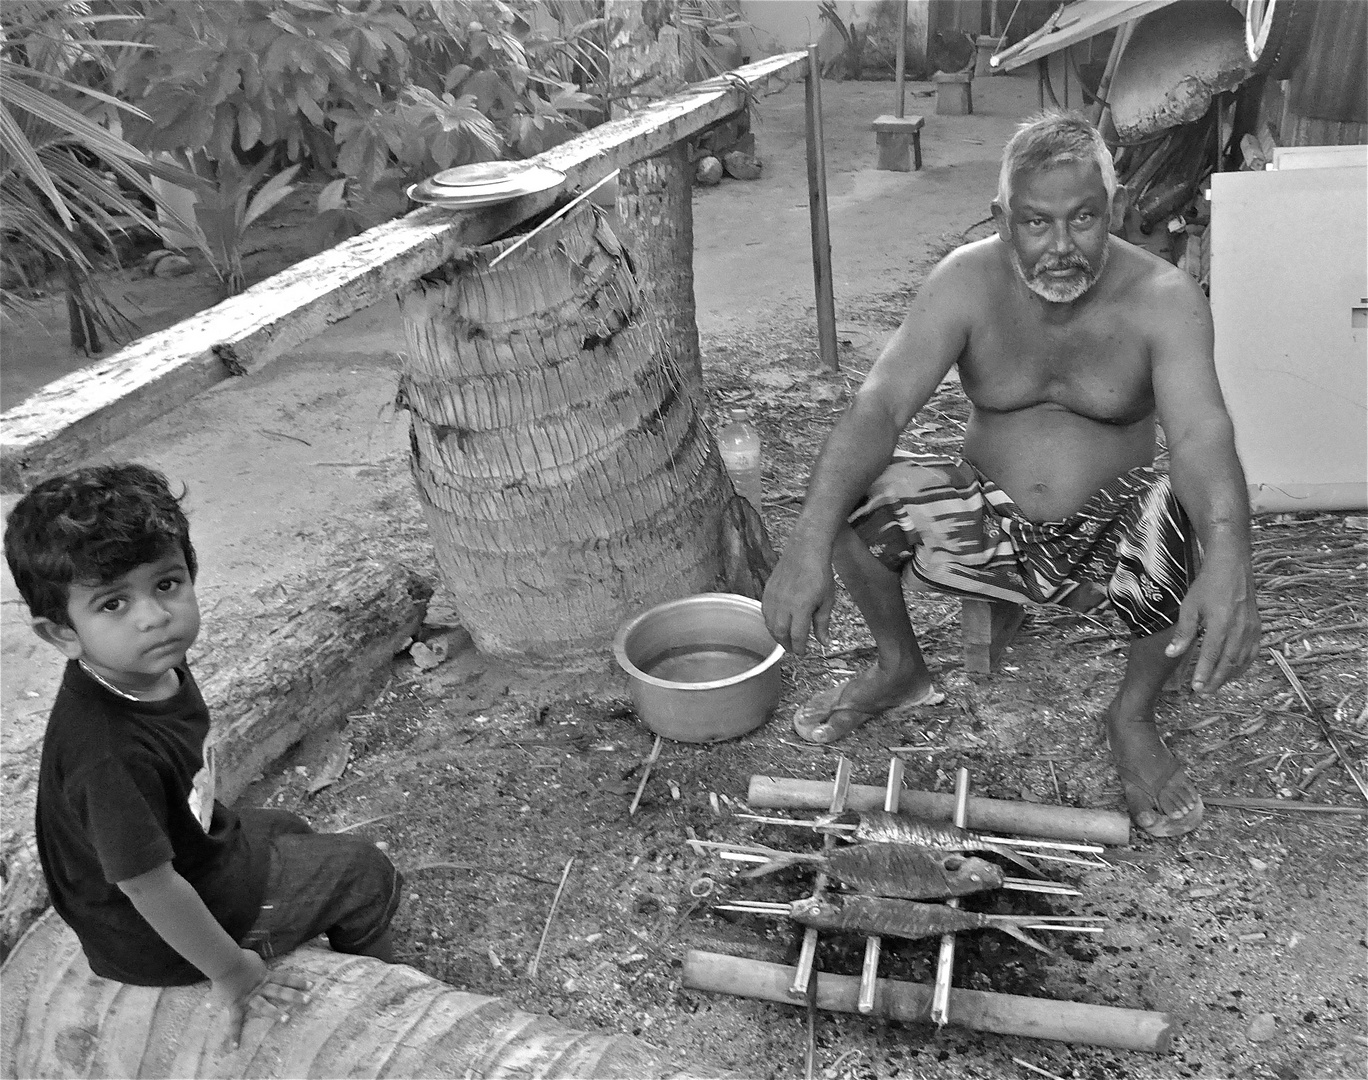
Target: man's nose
1061 240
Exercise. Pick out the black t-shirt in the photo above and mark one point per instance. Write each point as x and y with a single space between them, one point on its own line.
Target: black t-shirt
118 796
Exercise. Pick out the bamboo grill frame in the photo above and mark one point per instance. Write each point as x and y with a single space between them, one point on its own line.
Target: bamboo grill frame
1010 1014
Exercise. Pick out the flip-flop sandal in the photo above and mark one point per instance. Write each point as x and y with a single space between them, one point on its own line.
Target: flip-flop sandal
1165 826
814 723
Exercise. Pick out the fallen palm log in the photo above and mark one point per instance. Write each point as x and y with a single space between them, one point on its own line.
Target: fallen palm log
365 1018
1018 818
1002 1014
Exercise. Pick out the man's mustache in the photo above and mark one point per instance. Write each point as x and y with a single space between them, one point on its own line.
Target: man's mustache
1073 262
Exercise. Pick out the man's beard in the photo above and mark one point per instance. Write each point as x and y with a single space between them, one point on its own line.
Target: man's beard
1060 291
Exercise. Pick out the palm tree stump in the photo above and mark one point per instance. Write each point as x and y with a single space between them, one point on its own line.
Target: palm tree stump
567 478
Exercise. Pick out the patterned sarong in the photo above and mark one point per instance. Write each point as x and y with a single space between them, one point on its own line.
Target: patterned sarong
959 532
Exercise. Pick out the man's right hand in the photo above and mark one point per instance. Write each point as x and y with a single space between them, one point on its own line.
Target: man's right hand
799 596
252 987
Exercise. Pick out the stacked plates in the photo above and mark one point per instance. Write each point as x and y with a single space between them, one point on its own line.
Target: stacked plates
484 184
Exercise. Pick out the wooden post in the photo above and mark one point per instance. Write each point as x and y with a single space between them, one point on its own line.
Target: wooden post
977 1010
1109 827
901 74
1099 105
986 628
817 210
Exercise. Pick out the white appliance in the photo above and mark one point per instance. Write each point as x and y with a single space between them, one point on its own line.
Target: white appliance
1289 296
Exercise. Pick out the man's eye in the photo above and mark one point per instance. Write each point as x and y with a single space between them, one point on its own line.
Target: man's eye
114 603
1085 217
169 584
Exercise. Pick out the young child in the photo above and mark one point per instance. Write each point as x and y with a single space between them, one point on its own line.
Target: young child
163 884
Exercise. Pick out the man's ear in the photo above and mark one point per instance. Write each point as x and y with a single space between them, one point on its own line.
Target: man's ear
1120 201
62 638
1004 230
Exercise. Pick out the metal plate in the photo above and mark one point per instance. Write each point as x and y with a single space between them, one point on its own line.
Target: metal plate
484 184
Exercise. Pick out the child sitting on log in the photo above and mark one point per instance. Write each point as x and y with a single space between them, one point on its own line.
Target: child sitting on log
163 884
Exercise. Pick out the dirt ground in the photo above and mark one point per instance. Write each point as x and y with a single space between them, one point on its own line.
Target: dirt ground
483 780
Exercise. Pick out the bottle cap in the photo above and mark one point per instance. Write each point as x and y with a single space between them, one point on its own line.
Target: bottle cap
739 414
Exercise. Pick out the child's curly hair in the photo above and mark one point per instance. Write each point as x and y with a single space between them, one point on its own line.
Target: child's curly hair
91 526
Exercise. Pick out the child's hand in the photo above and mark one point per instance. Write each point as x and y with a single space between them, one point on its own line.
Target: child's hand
253 987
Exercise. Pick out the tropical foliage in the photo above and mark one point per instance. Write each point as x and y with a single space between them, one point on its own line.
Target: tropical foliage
68 183
359 86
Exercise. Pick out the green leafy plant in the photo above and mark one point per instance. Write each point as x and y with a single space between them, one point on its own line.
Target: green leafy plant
229 201
68 183
360 86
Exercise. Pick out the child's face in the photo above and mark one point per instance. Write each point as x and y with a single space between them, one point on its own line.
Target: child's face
134 629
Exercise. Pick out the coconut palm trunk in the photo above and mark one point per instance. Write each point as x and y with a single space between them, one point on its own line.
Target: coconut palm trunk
648 60
567 478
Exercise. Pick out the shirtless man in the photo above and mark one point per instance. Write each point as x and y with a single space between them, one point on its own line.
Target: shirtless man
1070 344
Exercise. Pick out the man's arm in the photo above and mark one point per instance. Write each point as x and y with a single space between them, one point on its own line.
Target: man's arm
1208 482
178 914
799 594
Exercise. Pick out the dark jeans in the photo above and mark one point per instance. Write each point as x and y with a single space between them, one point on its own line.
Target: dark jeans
319 883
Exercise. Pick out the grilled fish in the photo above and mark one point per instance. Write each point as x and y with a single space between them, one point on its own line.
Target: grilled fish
894 870
904 919
882 827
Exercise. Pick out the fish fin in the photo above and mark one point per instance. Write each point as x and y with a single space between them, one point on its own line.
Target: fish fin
1010 855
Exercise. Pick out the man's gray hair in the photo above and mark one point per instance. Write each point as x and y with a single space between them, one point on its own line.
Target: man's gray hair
1049 139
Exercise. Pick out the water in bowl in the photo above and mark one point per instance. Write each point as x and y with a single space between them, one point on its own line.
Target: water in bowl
695 663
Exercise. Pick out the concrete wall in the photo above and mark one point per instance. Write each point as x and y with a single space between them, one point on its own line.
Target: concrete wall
786 25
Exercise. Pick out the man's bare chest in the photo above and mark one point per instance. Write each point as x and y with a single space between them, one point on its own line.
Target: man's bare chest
1092 369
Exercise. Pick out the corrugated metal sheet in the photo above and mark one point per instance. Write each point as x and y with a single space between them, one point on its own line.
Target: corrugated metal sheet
1331 83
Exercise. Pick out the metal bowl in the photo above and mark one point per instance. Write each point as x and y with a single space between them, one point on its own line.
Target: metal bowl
701 669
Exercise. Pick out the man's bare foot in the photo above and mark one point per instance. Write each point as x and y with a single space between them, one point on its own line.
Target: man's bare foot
1161 799
838 710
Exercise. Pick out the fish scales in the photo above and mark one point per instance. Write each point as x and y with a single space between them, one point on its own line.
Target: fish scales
898 870
883 827
902 918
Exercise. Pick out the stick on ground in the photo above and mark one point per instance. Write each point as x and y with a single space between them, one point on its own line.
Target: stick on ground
565 874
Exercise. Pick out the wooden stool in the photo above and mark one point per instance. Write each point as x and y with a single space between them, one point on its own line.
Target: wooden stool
892 133
954 93
988 626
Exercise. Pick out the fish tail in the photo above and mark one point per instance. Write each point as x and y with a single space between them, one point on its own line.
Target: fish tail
780 860
1010 855
1021 935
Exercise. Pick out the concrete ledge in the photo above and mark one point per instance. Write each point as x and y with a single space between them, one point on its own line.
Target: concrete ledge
294 658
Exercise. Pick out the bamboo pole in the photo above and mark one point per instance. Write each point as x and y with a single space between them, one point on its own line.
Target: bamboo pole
807 956
977 1010
869 975
817 210
1107 827
945 958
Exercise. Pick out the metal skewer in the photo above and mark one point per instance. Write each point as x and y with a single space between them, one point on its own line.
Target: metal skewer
742 853
869 973
1055 922
1009 841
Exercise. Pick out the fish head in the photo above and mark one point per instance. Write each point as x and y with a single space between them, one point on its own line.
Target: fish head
810 907
970 874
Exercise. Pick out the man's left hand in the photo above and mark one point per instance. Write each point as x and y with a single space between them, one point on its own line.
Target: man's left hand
1220 601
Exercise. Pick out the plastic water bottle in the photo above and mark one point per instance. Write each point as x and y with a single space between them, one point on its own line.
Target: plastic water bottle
740 446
